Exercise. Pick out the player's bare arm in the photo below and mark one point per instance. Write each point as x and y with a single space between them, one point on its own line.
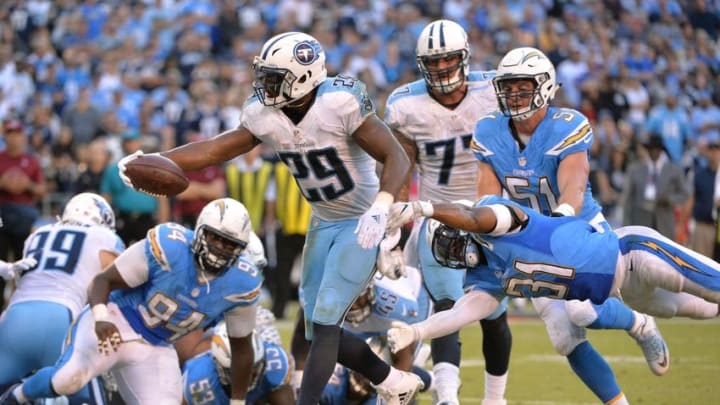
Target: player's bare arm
241 365
221 148
488 183
573 173
411 151
377 140
107 333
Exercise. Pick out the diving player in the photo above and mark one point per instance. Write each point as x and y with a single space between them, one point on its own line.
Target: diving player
206 377
538 154
52 292
433 119
172 282
516 251
326 131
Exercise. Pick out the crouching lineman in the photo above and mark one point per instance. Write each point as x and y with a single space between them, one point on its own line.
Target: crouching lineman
172 282
206 377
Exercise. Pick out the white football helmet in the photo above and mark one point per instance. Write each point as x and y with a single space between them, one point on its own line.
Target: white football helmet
222 233
88 209
289 66
529 64
443 39
221 352
256 251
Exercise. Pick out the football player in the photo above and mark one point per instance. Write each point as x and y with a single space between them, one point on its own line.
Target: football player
538 155
515 251
434 119
65 256
206 377
172 282
326 131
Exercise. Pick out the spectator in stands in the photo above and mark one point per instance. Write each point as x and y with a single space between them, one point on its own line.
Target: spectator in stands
136 212
670 121
92 168
702 238
654 188
22 185
83 119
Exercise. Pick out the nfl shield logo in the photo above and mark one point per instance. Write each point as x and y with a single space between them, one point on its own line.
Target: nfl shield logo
305 53
522 161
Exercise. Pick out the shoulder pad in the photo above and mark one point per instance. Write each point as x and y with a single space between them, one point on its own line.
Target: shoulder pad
572 129
165 241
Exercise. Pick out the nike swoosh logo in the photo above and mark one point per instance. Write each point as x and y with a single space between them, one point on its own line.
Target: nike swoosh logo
664 362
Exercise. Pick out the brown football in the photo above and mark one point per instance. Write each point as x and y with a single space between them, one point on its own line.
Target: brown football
156 175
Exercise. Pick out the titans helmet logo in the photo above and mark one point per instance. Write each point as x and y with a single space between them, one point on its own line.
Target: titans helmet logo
305 52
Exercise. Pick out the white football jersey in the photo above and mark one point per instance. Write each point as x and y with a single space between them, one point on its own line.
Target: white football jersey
447 167
68 258
334 173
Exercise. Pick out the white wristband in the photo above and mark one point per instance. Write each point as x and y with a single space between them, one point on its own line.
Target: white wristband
237 402
101 313
503 219
565 210
426 208
384 200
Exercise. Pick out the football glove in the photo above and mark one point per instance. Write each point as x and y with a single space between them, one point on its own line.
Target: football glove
371 225
10 270
404 212
401 335
390 262
122 166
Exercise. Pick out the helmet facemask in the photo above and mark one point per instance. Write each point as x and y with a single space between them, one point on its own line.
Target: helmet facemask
520 105
455 249
272 86
215 251
448 79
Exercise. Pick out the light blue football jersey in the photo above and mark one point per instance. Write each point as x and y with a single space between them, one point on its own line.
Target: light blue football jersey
203 386
530 175
556 257
175 300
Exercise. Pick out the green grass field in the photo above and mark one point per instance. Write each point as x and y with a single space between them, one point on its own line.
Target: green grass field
539 376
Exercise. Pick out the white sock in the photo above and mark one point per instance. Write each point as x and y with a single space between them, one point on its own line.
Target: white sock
19 394
619 400
446 375
495 386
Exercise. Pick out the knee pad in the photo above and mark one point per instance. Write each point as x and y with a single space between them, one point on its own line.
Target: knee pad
581 313
443 305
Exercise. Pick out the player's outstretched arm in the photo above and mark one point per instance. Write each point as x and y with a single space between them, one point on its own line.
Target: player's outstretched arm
471 307
573 173
213 151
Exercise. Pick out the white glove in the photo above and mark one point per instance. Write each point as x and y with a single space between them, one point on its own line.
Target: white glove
404 212
401 335
371 225
10 270
390 262
122 163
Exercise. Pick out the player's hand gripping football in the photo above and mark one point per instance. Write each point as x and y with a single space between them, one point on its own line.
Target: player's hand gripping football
401 335
10 270
122 166
403 212
107 333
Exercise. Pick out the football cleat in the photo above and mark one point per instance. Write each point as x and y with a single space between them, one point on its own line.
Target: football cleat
648 336
403 393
